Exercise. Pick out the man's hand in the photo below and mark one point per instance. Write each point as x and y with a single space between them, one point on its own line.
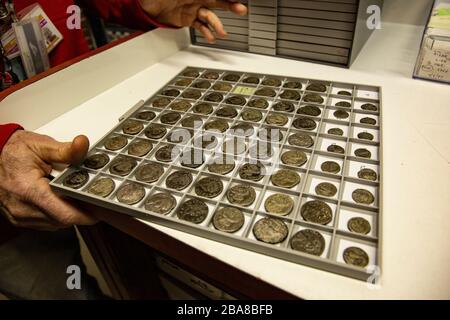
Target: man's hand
25 162
193 13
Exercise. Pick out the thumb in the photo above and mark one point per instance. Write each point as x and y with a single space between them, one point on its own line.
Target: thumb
52 151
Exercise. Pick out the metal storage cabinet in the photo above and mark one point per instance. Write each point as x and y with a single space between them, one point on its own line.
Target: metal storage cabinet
331 32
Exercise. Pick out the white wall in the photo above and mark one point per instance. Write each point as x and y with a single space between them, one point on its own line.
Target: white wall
414 12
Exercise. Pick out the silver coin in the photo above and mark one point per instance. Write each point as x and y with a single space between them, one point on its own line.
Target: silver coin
132 127
270 230
76 179
161 203
228 220
122 166
102 187
140 148
131 193
116 143
97 161
149 173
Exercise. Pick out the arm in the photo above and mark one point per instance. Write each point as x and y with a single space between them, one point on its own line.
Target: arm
143 14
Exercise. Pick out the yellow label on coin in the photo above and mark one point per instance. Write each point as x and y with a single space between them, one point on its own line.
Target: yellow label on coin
244 90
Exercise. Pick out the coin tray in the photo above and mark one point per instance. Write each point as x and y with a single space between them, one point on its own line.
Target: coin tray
336 234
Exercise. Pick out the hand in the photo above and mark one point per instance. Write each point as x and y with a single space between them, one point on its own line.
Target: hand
25 193
193 13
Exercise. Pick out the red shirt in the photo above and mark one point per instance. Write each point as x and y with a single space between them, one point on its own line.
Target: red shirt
125 12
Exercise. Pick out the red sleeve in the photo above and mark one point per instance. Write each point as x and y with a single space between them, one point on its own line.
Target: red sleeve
6 131
128 13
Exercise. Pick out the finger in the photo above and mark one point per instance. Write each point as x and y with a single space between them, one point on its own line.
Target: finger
52 151
233 6
204 30
208 17
56 208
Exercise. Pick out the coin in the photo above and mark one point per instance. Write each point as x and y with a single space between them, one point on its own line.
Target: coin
251 80
193 158
359 225
116 143
309 110
131 193
76 179
366 136
214 97
232 77
96 161
294 158
293 85
193 94
161 102
270 230
206 142
261 150
167 153
308 241
171 92
270 134
183 82
192 122
234 146
271 82
369 107
341 114
317 211
146 115
179 180
202 84
140 148
285 178
221 86
122 166
170 117
356 257
102 187
344 104
203 108
265 92
277 119
363 153
132 127
191 73
236 100
336 131
161 203
279 204
313 98
211 75
227 112
180 136
368 121
193 210
217 125
319 87
155 131
149 173
181 105
241 195
368 174
243 130
344 93
305 123
228 220
259 103
253 172
330 167
252 115
363 196
301 140
209 187
284 106
336 149
326 189
290 95
222 165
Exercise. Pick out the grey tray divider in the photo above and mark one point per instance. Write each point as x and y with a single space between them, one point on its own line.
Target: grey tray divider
282 252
